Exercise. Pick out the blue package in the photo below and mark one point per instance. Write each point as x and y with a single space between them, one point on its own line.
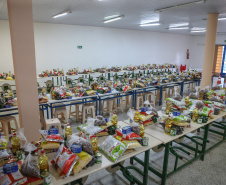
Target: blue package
53 131
10 167
76 148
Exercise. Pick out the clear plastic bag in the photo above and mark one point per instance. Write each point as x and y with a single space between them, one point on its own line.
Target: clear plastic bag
89 128
30 165
86 145
135 127
100 121
176 95
130 114
113 148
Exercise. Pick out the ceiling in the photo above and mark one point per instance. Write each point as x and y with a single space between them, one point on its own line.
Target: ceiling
92 13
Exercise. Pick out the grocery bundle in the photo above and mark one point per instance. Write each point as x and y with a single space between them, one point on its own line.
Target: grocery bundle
7 99
54 72
7 76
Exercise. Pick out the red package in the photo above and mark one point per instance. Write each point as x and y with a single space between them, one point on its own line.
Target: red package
65 159
13 178
129 136
55 138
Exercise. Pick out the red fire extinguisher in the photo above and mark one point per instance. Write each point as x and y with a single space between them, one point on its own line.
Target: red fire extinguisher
187 53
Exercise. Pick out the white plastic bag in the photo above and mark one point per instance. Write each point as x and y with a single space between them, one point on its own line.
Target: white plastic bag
130 114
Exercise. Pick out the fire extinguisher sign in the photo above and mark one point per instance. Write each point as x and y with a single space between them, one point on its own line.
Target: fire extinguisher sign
187 53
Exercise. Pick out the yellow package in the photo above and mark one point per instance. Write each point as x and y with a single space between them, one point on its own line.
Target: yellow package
50 145
108 125
84 159
3 142
118 138
145 118
132 144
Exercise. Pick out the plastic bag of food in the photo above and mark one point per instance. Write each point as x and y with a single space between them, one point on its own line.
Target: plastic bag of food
89 128
216 88
200 105
132 144
194 95
176 95
113 148
216 99
179 104
130 114
3 142
52 138
65 160
135 128
3 154
86 145
99 121
83 159
30 165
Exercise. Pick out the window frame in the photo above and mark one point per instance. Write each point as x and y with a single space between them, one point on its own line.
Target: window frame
222 62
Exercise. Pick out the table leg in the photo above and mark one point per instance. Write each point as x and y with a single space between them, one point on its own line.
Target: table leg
51 111
204 142
99 106
160 97
182 89
146 166
96 105
47 112
165 164
135 100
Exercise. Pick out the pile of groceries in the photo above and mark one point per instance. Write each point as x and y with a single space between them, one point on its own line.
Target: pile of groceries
23 162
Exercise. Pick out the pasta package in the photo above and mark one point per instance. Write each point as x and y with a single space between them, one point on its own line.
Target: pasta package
113 148
83 159
65 159
50 145
132 144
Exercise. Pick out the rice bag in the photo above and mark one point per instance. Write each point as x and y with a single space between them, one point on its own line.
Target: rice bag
54 138
3 142
65 159
83 159
86 145
132 144
113 148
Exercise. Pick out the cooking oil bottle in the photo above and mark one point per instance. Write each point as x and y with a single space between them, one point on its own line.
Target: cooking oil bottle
43 162
137 116
141 129
15 143
94 142
114 119
68 130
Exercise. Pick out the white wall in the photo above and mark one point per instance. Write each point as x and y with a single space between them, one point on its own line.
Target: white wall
56 47
198 49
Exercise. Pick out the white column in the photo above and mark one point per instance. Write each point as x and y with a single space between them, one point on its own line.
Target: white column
211 32
23 51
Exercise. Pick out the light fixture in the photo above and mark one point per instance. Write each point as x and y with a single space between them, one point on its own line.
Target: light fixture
184 24
61 14
150 24
222 19
113 19
197 31
179 28
180 5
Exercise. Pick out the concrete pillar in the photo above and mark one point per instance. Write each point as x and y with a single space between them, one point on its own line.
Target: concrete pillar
211 32
23 51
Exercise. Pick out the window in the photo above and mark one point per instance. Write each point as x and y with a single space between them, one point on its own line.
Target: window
219 67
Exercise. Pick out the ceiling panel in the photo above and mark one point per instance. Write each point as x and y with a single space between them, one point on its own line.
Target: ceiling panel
92 13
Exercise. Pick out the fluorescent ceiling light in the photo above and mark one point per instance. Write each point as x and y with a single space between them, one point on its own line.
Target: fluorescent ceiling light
222 18
151 24
180 5
113 19
61 14
197 31
179 25
179 28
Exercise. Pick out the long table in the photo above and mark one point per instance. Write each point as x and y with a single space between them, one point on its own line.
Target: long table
157 131
106 162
